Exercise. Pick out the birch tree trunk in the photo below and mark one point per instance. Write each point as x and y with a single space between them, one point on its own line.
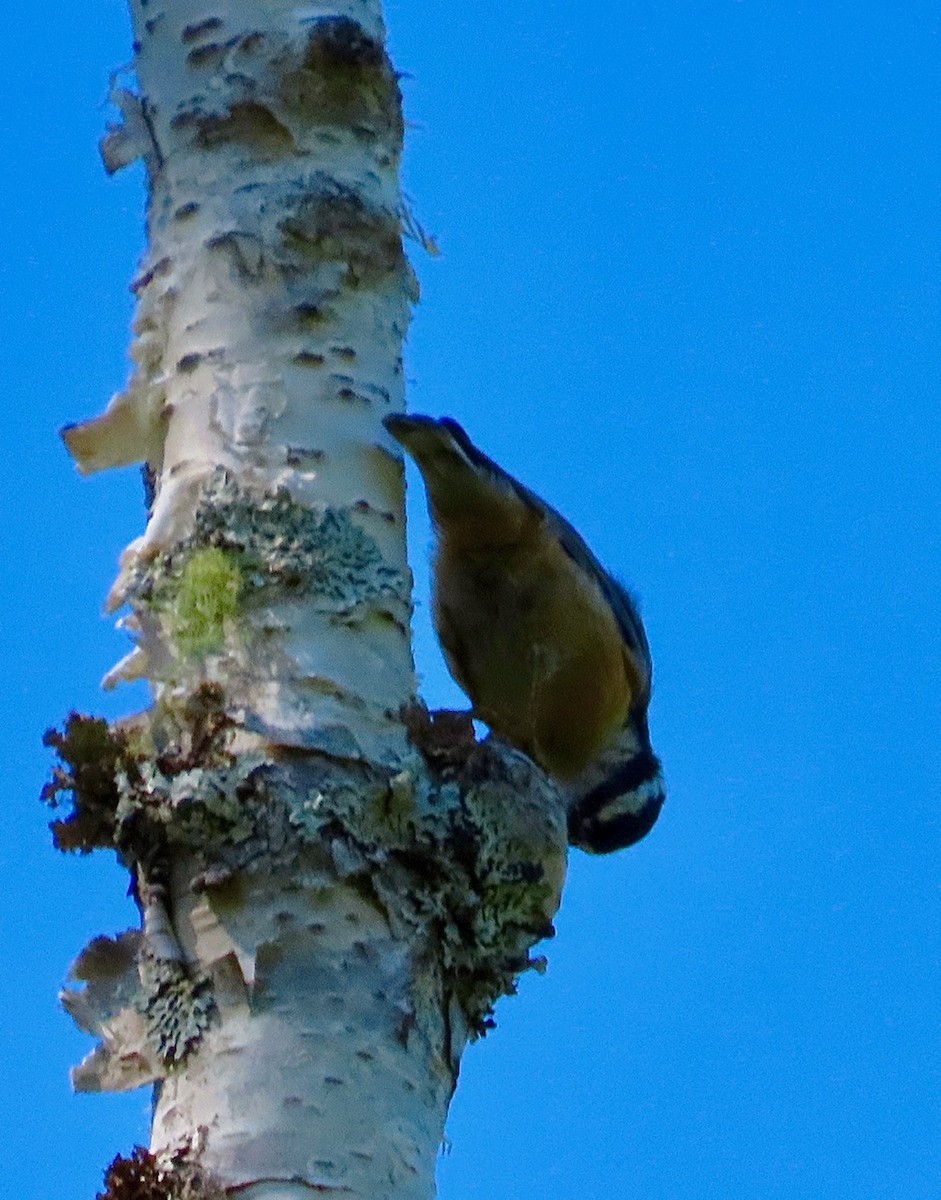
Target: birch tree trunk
335 887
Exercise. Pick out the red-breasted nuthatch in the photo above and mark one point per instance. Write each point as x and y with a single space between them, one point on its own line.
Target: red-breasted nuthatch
548 646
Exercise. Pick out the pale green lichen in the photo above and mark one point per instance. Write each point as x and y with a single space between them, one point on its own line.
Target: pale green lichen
277 542
206 601
247 547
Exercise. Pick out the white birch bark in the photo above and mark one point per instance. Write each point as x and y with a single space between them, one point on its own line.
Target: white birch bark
330 912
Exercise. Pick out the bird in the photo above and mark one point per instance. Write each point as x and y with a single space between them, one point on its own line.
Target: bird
549 647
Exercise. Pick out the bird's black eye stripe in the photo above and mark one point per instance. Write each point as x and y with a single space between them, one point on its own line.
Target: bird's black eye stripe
604 837
627 778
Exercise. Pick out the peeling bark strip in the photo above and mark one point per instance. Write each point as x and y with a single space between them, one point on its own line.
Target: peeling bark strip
335 887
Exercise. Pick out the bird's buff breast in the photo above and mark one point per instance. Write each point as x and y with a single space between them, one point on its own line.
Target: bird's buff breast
538 647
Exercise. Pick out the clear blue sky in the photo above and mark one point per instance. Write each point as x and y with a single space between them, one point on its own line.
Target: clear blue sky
689 293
